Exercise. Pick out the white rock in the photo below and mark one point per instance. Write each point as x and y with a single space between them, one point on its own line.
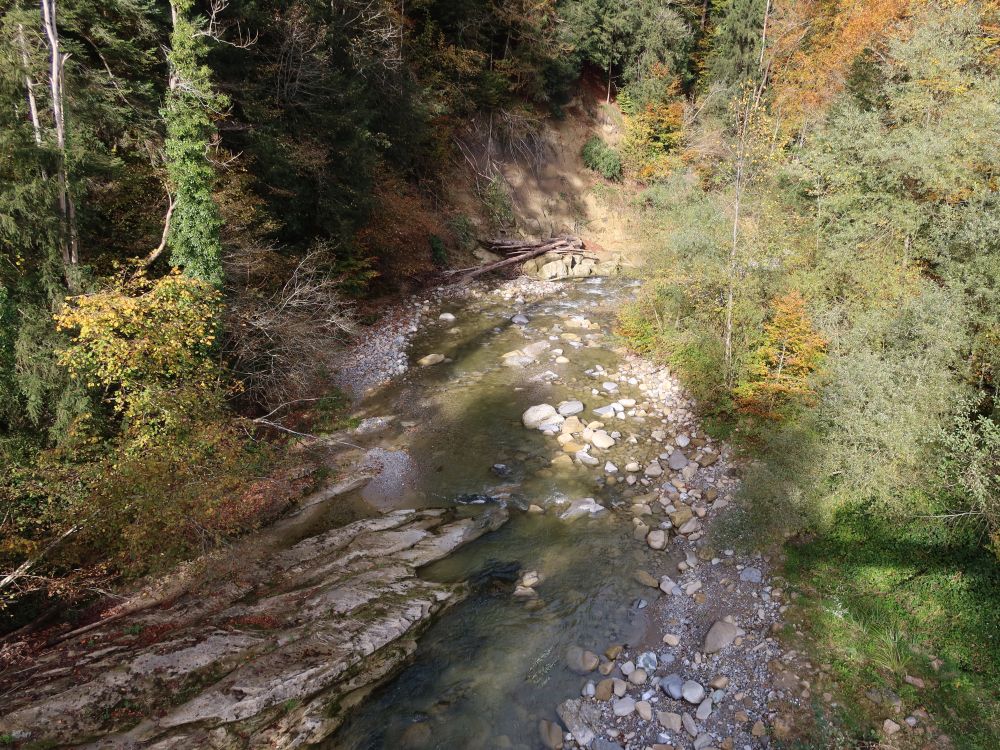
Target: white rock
538 415
692 692
602 440
569 408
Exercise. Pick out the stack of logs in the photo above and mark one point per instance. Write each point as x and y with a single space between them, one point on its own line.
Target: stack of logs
520 251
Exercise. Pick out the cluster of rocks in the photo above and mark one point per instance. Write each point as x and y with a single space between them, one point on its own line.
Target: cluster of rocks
706 681
554 266
381 354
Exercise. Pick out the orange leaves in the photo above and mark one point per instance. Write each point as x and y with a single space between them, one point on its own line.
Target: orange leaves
814 44
783 364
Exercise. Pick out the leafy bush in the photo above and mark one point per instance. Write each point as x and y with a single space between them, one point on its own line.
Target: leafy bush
603 159
147 344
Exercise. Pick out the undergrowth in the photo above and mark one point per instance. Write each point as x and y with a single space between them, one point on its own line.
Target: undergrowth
885 600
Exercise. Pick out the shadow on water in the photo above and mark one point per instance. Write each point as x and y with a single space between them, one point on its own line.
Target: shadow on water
489 669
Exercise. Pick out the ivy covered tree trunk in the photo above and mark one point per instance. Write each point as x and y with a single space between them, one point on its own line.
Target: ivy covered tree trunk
194 232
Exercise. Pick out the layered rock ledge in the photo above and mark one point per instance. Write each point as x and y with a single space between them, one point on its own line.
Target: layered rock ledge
272 655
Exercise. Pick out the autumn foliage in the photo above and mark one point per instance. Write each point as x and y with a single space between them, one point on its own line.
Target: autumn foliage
146 343
814 44
784 363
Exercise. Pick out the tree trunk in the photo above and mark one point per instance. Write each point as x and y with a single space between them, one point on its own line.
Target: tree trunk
763 35
609 80
57 60
30 85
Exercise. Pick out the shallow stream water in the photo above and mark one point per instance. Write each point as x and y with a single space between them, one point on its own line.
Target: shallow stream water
494 665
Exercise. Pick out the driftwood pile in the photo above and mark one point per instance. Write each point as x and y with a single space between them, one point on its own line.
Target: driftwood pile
520 251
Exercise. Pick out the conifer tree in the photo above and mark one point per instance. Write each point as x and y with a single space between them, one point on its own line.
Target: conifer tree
193 238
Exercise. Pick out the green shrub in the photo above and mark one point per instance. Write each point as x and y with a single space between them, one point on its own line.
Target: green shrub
498 203
603 159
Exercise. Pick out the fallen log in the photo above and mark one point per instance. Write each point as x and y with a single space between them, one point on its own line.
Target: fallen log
520 253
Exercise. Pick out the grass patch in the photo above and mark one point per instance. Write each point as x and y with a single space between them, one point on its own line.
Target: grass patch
883 600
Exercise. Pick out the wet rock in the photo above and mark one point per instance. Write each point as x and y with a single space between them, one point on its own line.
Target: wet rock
430 359
570 408
581 719
602 440
720 635
520 320
581 660
415 736
362 589
551 734
583 507
645 579
657 539
535 416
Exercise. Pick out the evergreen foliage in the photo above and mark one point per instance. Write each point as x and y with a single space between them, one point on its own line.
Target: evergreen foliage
194 240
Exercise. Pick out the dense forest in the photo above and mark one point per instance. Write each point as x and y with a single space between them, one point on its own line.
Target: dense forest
198 196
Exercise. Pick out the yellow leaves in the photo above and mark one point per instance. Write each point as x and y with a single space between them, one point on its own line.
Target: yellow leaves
783 364
140 336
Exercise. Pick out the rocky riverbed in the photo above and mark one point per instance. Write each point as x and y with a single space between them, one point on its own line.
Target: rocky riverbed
536 566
